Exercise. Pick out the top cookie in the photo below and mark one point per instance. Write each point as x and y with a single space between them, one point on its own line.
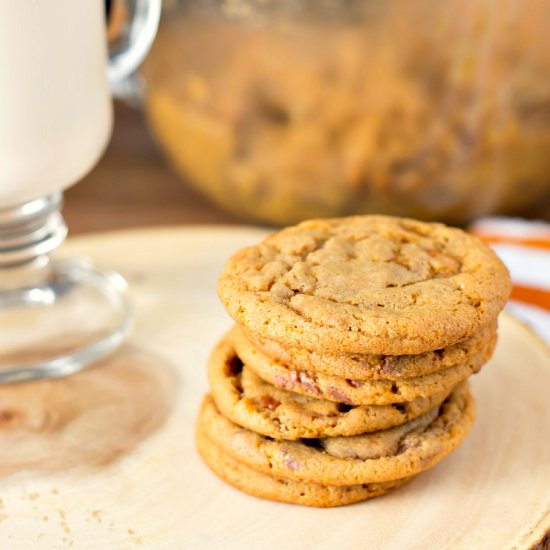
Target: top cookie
366 284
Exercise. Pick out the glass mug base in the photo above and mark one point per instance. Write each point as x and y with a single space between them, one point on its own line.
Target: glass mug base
55 329
55 317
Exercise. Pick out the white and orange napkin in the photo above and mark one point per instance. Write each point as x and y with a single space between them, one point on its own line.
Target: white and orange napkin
524 246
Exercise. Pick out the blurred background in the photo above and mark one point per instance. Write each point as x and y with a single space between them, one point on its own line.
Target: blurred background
274 111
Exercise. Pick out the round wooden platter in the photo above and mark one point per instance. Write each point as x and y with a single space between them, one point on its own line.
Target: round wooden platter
106 458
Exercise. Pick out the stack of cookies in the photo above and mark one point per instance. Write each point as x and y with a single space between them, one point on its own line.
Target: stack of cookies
345 375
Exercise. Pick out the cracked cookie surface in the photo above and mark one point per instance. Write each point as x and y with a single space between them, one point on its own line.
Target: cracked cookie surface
244 398
261 485
355 392
375 457
388 367
366 284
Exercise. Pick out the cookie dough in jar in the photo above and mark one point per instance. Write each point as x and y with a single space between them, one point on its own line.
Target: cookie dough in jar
287 110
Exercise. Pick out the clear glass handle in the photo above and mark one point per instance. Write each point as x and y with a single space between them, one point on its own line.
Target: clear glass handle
141 32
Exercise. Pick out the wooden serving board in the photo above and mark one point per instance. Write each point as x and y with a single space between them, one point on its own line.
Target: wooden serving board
106 459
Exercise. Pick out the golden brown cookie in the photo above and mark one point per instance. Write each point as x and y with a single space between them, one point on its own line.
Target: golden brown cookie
381 456
389 367
244 398
366 284
353 392
261 485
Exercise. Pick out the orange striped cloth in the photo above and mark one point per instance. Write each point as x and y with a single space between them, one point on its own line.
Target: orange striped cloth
524 246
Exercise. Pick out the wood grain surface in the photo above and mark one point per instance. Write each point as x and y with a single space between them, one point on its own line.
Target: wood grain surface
106 458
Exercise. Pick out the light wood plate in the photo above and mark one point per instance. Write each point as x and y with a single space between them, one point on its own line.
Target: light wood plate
106 459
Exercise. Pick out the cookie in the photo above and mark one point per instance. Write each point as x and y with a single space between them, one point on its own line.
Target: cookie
281 489
244 398
386 455
389 367
366 284
354 392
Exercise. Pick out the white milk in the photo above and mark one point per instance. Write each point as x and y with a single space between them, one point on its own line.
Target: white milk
55 107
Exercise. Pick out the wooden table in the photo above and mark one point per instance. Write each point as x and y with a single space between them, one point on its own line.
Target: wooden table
132 186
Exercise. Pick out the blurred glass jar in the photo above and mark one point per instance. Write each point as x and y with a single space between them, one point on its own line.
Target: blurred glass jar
282 110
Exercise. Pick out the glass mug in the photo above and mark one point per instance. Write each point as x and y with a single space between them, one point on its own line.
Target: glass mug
55 122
